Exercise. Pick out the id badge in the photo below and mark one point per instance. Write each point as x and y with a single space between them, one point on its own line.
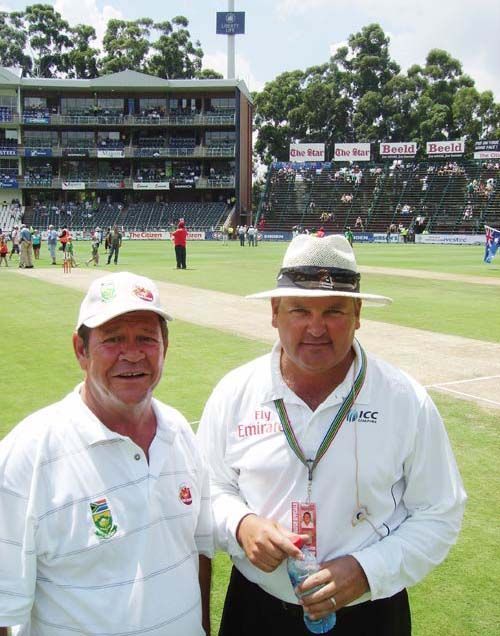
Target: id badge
304 521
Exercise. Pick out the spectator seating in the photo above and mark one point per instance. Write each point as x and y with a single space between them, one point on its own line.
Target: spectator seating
8 178
6 113
382 194
136 217
10 215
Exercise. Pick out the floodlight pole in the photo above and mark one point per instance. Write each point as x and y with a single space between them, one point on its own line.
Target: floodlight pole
230 47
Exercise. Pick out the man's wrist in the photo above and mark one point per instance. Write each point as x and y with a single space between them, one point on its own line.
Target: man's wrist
238 527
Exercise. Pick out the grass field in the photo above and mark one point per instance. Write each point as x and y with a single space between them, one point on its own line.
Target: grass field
457 599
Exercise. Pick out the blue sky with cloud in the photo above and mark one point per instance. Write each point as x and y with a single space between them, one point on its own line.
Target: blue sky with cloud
284 35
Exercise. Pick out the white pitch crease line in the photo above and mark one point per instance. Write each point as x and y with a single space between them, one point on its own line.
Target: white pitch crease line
468 395
486 377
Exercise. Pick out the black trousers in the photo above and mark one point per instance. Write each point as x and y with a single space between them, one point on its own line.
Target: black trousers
113 251
249 611
180 256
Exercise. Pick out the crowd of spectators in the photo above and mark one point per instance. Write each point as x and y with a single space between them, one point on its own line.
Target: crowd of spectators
346 197
108 143
36 112
8 178
153 114
348 174
186 174
150 174
479 188
38 175
6 113
451 168
8 143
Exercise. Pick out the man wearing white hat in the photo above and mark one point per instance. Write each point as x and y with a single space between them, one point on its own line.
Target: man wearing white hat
320 426
105 522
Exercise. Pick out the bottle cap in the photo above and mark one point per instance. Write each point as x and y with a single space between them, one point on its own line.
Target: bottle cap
298 542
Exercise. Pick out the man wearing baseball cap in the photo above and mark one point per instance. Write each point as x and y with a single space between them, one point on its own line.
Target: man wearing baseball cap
319 426
105 523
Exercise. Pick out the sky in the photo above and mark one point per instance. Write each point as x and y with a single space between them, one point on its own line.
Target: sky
284 35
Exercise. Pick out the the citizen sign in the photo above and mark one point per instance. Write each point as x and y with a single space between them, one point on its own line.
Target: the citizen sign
307 152
445 148
487 149
352 152
401 149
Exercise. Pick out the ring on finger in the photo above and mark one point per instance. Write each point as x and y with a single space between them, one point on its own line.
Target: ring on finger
333 601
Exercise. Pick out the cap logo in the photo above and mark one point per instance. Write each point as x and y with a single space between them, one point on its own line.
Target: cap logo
144 294
185 495
108 292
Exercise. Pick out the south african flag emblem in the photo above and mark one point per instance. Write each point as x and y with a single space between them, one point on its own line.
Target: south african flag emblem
102 518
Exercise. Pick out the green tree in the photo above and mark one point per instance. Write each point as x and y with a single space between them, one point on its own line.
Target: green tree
277 118
13 39
366 69
208 73
439 80
325 113
48 40
126 45
81 61
174 55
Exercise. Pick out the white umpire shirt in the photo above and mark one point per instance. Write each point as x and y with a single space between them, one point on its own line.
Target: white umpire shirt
93 539
391 457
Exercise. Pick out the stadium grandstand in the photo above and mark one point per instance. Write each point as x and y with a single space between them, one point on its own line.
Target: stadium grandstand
125 148
438 196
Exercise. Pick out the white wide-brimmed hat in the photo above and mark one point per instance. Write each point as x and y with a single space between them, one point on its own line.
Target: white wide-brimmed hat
116 294
315 267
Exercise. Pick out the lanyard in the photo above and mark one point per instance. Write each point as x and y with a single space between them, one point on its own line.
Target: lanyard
344 409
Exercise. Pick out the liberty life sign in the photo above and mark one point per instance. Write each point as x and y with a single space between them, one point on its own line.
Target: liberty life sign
230 23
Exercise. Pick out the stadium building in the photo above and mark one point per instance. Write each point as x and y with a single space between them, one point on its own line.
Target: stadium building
125 148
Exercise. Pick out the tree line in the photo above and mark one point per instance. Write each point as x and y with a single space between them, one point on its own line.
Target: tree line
362 95
43 44
359 94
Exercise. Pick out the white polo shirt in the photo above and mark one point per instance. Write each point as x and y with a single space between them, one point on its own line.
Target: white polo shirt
93 539
407 478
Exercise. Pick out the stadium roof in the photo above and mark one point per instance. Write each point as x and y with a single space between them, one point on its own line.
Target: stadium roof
130 80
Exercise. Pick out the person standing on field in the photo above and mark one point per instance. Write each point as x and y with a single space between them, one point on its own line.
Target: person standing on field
105 520
115 243
14 237
95 242
4 250
26 243
52 243
37 242
179 238
321 426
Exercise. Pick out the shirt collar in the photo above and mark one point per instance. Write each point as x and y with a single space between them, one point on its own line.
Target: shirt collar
93 431
276 388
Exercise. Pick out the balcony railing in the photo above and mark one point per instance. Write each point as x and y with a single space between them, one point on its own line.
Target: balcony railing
197 119
128 152
112 183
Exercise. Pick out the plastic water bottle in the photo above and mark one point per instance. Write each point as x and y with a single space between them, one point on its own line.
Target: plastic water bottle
298 571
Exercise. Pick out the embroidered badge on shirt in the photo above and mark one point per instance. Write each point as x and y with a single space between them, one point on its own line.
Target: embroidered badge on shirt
108 292
102 518
185 495
144 294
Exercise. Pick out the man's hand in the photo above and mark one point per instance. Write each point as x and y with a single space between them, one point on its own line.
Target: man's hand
266 542
343 579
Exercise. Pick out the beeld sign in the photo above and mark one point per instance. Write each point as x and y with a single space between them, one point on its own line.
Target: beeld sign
445 148
400 149
307 152
352 152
